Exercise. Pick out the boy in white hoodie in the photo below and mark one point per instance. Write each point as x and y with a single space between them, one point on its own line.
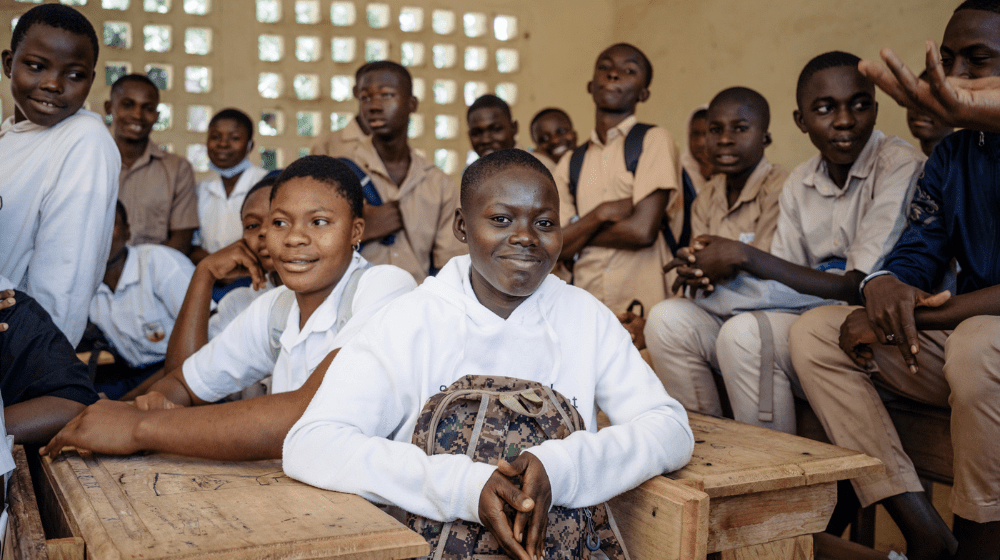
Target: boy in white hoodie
497 311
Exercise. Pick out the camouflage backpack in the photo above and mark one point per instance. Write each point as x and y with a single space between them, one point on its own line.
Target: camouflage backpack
491 418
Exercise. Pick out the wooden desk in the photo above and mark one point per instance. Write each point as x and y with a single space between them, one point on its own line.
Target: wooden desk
768 491
159 506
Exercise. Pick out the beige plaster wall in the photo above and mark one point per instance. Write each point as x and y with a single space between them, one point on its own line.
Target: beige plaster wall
701 47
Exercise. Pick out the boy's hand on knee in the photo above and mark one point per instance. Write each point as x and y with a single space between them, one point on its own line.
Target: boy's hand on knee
497 492
6 300
235 261
890 304
634 324
534 483
103 427
856 338
155 400
717 259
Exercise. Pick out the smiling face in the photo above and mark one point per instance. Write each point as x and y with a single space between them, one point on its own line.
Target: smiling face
491 130
385 103
255 213
925 127
837 110
511 224
50 74
228 143
310 236
133 109
619 81
736 137
553 135
971 44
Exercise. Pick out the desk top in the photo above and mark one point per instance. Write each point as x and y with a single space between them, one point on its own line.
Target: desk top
732 458
158 505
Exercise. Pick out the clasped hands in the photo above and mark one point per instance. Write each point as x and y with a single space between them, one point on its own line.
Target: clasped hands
707 262
525 538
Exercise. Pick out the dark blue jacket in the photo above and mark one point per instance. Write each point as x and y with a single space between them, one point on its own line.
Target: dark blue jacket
955 213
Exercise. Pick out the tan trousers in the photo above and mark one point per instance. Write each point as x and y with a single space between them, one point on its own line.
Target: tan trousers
958 369
688 344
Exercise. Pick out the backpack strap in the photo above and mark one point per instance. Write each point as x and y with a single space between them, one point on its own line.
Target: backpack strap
633 145
346 308
765 399
576 165
276 322
689 193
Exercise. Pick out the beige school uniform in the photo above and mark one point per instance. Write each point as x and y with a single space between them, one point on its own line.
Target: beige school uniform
693 168
339 143
158 192
427 200
818 221
618 276
754 216
548 162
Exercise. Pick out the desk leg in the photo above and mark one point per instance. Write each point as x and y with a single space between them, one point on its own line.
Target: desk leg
796 548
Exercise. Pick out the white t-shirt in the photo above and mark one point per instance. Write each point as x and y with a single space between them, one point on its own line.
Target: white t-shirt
138 317
355 435
219 215
58 187
241 355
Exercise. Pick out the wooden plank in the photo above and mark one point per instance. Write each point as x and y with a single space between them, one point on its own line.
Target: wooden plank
27 538
662 519
740 521
71 548
797 548
732 458
160 506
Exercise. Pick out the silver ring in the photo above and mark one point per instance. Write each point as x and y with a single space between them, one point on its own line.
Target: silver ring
890 338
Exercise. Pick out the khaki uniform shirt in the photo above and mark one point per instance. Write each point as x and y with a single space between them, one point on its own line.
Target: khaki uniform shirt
339 143
618 276
860 223
158 192
754 216
427 200
546 161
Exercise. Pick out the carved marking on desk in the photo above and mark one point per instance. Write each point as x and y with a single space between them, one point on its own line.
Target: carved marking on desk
165 484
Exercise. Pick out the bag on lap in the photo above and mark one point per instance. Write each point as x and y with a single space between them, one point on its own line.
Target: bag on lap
490 418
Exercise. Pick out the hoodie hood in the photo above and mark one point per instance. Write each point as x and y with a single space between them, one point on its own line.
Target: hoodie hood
524 342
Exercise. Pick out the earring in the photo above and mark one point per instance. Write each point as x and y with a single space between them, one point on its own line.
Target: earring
356 247
463 238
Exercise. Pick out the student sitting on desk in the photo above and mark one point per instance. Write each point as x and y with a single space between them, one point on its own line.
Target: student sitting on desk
845 204
496 311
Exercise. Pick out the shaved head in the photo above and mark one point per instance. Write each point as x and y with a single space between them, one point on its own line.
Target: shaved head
746 97
498 162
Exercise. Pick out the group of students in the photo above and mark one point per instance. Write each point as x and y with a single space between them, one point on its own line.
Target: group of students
747 281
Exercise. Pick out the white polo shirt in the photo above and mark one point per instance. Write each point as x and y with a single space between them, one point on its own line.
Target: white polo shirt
58 187
138 317
241 355
235 301
219 215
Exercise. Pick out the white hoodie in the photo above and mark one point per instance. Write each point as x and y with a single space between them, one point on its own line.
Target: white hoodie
355 435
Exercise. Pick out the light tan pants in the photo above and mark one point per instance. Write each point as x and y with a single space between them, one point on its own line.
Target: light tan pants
958 369
688 344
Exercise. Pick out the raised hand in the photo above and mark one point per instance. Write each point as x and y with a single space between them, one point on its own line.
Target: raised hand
235 261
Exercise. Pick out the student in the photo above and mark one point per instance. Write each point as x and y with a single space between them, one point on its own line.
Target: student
56 215
925 128
695 159
230 139
945 349
315 220
846 203
137 304
553 134
343 142
491 126
42 382
617 237
156 187
410 228
495 311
